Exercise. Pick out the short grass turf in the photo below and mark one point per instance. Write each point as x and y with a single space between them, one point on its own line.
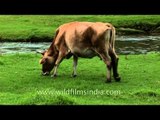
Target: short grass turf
21 82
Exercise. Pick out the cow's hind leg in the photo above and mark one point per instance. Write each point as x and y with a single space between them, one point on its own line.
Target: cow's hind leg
75 61
114 59
105 57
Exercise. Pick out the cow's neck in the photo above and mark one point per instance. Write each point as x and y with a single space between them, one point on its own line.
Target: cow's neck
52 49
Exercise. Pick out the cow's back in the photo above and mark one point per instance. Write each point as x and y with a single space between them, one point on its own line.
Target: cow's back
83 32
80 37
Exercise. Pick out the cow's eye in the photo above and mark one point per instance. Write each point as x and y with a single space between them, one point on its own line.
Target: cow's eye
46 59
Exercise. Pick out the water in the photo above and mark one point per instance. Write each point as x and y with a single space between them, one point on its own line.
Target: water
124 45
22 47
137 44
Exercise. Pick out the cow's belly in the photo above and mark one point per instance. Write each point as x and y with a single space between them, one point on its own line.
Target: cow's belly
85 53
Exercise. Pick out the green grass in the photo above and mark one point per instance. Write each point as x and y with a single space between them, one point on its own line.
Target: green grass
21 82
42 27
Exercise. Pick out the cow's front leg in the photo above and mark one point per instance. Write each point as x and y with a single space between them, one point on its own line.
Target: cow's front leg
55 71
57 63
75 61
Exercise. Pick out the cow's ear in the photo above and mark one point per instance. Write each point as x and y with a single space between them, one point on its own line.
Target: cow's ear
41 52
43 60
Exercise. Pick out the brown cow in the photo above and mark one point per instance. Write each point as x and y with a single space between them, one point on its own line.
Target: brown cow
82 39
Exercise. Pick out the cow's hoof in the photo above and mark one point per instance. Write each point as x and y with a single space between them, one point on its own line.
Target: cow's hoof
108 81
117 79
54 76
45 74
74 76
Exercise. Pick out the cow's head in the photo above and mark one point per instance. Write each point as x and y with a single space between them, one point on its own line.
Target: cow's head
48 61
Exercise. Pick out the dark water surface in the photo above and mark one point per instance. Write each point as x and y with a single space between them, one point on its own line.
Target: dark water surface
124 45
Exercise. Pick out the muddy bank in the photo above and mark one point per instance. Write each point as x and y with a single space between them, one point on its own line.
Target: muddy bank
120 32
31 39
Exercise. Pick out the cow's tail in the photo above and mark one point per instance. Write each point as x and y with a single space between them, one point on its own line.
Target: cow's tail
111 38
112 41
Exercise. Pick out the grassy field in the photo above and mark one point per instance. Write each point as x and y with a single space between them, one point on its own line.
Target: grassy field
21 82
42 27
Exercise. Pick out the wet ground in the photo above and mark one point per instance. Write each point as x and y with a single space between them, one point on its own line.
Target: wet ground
124 45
